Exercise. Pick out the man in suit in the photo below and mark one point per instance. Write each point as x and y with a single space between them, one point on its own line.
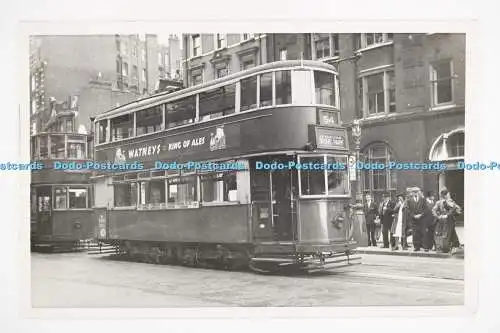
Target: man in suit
386 211
371 212
417 207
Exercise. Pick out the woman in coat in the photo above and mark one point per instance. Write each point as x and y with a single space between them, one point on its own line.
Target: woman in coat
445 211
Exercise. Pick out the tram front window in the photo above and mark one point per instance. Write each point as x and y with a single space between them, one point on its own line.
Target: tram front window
312 180
338 180
78 197
60 198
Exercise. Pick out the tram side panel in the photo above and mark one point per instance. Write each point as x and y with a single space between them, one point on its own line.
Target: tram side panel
72 225
216 224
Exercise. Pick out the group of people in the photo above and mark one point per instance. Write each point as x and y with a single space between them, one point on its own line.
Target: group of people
430 222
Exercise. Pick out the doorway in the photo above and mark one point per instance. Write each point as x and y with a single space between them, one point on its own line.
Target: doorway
455 184
274 200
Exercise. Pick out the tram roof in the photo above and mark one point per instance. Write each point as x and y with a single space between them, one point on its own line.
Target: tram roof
166 96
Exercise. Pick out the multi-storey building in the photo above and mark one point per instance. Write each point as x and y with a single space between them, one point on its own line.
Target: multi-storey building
407 90
93 72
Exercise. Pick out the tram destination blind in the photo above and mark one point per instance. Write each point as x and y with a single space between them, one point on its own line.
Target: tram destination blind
329 138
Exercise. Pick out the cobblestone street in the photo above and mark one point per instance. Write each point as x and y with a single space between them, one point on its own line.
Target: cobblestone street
82 280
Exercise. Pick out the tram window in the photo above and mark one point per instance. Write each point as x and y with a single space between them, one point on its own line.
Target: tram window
125 194
283 87
248 93
152 192
181 191
312 181
181 112
60 198
57 146
337 179
266 89
33 201
150 120
78 197
103 131
325 88
122 127
44 149
76 150
43 203
217 187
217 102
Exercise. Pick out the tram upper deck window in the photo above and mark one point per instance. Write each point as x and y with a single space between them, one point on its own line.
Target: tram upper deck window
78 197
150 120
44 146
313 179
122 127
266 89
217 102
325 88
248 93
103 130
57 146
283 87
76 150
181 112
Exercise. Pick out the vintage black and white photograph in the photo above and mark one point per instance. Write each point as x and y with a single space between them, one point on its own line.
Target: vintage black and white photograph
185 170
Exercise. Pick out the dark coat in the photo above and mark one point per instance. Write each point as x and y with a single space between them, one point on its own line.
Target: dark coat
371 212
386 216
418 208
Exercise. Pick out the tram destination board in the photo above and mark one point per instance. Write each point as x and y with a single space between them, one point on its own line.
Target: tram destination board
328 138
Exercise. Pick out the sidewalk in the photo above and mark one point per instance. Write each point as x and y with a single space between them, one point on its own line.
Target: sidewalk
431 254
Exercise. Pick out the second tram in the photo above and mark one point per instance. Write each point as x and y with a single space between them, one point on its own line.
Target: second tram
257 214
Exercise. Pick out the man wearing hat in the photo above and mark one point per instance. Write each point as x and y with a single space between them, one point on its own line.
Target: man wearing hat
386 211
417 206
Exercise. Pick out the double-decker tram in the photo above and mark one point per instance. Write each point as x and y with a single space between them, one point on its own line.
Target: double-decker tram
61 210
224 180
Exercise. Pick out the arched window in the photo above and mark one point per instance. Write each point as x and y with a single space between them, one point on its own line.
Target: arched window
377 182
448 146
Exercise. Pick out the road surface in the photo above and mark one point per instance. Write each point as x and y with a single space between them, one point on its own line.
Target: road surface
82 280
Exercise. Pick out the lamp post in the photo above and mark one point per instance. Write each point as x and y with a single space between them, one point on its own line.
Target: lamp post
359 232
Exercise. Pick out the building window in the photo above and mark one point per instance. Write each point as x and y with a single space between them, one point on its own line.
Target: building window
220 41
149 121
326 45
196 39
283 53
182 191
134 51
247 64
143 55
160 59
217 102
144 75
375 181
442 82
135 73
377 93
456 145
125 69
122 127
371 39
78 197
283 87
248 93
124 47
197 79
325 88
181 112
220 187
266 89
125 194
60 198
247 36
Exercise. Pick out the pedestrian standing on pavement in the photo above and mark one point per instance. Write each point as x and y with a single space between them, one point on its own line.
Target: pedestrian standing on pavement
399 222
371 212
416 207
445 211
386 211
